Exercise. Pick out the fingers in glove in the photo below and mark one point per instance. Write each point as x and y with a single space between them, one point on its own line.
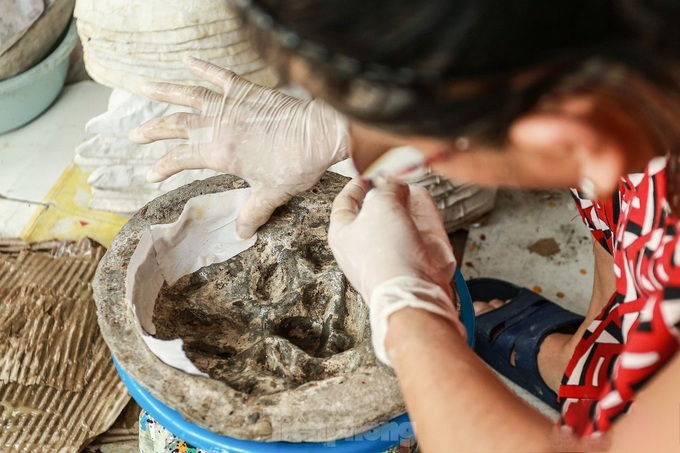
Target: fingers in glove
425 213
432 232
392 192
166 127
212 73
182 157
355 194
257 210
188 95
236 89
348 202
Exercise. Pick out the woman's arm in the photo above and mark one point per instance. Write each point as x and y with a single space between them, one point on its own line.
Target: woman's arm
456 403
454 400
653 423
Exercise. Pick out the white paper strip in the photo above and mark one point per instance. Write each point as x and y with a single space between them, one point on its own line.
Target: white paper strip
205 233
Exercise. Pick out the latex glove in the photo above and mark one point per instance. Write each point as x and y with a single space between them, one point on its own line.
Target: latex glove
131 178
393 249
111 150
279 144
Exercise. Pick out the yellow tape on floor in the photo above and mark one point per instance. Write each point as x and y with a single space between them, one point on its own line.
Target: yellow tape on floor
66 215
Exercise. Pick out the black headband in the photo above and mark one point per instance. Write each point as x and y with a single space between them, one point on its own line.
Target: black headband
317 53
584 27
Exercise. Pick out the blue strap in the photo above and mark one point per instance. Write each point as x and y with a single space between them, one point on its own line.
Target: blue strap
520 325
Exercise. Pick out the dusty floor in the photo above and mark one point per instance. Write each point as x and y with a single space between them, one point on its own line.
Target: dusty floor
535 239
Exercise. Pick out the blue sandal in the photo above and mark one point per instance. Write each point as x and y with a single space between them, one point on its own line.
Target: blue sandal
520 325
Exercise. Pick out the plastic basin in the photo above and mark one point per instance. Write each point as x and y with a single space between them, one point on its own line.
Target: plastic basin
25 96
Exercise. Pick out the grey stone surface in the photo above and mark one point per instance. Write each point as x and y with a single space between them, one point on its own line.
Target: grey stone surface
278 328
40 39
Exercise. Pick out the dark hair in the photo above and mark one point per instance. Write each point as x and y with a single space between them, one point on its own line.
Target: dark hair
392 64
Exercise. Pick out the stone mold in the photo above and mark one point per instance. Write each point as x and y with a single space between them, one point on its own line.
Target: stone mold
282 334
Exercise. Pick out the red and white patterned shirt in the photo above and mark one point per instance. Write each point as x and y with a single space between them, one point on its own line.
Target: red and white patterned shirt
638 330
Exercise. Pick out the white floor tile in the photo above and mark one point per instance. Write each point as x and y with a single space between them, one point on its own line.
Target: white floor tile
33 157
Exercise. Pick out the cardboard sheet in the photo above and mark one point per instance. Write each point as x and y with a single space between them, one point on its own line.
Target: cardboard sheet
58 386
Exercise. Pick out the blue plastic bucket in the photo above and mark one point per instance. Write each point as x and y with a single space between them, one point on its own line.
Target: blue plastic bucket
379 439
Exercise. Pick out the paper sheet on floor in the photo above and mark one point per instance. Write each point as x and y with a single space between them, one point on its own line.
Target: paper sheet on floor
66 215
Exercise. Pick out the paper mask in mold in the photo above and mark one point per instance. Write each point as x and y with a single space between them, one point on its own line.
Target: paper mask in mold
277 327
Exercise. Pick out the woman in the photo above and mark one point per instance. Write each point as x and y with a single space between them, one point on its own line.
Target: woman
520 94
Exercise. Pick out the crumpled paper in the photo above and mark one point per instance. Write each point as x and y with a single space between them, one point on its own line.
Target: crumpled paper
119 166
205 233
16 16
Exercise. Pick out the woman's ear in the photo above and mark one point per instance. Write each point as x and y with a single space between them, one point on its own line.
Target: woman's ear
595 157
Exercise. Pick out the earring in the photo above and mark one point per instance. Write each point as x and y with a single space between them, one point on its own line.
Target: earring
462 143
587 188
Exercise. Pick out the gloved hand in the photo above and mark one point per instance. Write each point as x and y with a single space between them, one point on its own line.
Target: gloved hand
279 144
393 249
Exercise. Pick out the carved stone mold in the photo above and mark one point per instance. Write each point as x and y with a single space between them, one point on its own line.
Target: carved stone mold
282 334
